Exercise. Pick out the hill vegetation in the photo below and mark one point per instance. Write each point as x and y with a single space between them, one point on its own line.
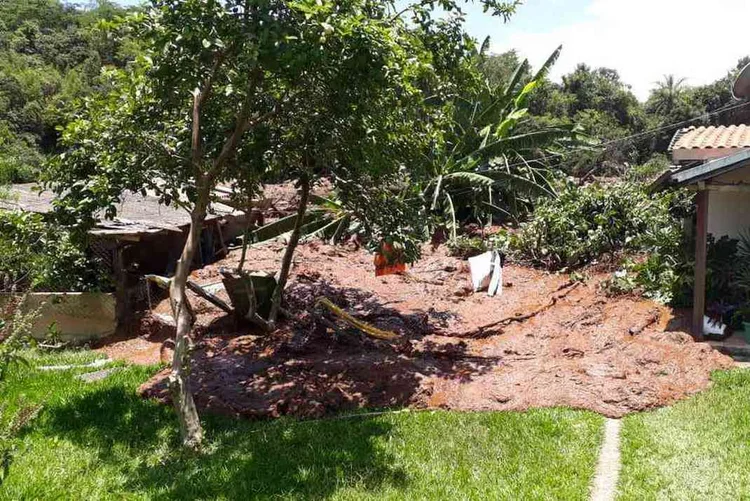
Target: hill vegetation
51 54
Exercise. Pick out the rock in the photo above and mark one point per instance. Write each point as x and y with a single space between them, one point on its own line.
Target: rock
462 291
91 377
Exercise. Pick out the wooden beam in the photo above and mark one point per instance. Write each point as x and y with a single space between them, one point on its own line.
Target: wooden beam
211 298
737 188
699 290
122 300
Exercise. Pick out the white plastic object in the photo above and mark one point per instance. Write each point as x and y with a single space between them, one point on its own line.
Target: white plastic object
486 272
496 283
711 327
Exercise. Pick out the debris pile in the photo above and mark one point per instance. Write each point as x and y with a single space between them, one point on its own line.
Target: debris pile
546 341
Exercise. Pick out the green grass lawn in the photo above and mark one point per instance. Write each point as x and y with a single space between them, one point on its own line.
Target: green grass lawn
101 441
697 449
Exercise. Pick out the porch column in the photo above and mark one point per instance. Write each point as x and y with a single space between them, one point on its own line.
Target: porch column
701 234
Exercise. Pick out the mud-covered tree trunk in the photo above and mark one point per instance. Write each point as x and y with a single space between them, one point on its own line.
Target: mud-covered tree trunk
286 263
179 379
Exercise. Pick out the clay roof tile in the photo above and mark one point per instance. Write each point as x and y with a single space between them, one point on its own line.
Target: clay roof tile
733 136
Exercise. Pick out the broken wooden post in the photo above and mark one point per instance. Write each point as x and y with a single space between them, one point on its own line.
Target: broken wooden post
122 302
701 236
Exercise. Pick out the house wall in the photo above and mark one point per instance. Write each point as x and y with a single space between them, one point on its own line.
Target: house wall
729 211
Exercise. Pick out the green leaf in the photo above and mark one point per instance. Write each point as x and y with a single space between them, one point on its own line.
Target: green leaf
472 178
545 68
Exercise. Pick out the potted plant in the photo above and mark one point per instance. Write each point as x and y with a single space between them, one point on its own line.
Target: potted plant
741 321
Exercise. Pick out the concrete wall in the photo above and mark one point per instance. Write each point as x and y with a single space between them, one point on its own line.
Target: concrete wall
729 211
78 316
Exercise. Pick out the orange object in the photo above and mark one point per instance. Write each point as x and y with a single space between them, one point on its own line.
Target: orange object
388 261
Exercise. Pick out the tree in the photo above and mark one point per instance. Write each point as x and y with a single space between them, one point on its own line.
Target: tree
671 102
50 55
229 89
668 93
718 95
604 106
498 69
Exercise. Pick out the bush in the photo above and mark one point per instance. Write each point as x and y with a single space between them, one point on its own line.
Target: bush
583 223
465 247
650 170
38 255
15 328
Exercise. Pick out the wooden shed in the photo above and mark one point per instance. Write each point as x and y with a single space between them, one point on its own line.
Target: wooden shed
145 237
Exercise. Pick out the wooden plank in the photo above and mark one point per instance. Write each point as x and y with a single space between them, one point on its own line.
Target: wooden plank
726 188
221 240
699 291
211 298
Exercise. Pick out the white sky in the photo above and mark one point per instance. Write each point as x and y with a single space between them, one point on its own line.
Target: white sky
642 39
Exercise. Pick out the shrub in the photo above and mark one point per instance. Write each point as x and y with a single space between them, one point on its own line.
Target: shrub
648 171
465 247
15 327
35 254
583 223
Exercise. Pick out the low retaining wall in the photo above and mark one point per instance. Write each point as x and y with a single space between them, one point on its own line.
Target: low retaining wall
77 316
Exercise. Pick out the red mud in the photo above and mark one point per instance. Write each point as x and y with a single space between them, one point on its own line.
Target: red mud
563 344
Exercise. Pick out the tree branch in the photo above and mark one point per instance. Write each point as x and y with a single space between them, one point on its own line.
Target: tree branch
199 98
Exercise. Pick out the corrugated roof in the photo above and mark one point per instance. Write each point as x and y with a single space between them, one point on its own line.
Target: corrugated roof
135 213
705 171
733 136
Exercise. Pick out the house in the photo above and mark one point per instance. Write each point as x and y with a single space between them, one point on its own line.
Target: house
714 162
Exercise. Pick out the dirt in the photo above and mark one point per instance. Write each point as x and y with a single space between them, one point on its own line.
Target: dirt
148 340
545 341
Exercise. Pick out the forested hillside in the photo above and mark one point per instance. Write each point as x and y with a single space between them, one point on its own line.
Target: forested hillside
50 54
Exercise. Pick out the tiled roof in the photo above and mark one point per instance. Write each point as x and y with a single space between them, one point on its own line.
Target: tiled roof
733 136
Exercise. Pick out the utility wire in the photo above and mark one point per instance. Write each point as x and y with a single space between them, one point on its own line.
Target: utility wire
647 133
643 134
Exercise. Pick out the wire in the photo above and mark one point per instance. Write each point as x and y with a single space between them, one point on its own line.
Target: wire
639 134
647 133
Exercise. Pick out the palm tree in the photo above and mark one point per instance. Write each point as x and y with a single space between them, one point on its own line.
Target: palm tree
667 94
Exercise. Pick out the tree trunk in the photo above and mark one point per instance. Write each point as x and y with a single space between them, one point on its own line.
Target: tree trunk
182 395
286 263
245 238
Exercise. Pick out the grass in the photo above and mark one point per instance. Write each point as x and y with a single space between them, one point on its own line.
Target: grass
100 440
697 449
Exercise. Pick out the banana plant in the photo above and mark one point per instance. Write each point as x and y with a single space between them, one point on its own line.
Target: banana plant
488 167
326 217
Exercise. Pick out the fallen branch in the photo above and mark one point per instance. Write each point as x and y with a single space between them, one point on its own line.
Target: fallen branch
651 320
358 324
483 331
164 283
211 298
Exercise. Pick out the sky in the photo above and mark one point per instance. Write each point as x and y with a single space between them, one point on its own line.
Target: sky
642 39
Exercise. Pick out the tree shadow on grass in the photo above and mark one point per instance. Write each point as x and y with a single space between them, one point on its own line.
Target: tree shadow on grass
271 459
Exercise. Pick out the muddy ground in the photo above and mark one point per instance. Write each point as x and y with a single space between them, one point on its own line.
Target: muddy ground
545 342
